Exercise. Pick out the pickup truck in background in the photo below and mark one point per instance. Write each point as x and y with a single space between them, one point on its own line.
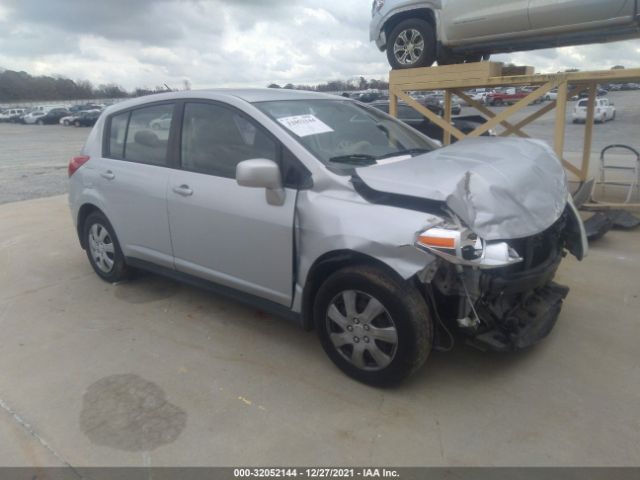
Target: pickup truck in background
416 33
507 96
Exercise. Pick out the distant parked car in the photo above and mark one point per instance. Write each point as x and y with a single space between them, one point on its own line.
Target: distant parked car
507 96
52 117
601 92
87 119
480 95
32 117
11 114
70 119
604 111
414 119
161 123
416 33
435 103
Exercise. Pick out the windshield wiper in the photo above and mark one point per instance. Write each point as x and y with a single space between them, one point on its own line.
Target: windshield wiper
355 159
400 153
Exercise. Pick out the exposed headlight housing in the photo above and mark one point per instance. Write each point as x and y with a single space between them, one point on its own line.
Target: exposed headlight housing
461 246
376 7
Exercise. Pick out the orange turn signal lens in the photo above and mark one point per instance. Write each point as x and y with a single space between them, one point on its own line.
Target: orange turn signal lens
440 242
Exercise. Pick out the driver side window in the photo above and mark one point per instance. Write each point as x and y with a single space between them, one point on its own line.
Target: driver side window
215 139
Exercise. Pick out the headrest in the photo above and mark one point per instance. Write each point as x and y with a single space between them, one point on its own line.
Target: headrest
147 138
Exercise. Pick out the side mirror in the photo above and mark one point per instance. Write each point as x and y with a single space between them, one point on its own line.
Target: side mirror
262 173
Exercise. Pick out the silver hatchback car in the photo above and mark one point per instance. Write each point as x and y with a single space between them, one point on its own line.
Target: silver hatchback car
333 213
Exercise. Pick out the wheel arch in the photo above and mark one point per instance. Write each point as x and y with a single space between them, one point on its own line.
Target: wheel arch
325 266
424 13
84 211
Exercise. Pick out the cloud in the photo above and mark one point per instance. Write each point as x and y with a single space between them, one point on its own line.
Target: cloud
221 42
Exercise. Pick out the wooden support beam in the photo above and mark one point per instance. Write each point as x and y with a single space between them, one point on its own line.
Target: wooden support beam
393 103
533 96
561 118
485 111
569 166
447 116
544 110
437 119
588 132
603 207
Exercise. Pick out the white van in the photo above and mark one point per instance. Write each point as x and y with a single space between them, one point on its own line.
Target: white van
11 114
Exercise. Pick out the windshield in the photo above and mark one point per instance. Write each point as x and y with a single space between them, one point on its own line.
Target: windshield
345 133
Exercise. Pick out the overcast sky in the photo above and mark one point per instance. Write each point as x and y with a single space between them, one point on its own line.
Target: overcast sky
218 43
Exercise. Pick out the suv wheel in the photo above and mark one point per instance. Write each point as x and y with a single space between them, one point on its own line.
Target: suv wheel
103 249
375 327
40 122
412 43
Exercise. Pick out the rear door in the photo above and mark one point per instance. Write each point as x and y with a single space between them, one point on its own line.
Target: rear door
463 20
221 231
132 179
573 13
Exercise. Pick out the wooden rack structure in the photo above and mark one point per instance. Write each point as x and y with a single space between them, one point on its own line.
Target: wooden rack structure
455 79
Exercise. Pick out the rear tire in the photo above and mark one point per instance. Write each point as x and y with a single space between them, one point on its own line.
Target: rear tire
380 336
103 248
415 33
40 122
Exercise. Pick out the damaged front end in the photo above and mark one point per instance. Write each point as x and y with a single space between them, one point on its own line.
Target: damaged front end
505 298
508 221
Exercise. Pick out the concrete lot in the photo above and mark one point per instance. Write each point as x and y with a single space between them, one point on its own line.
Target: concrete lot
33 159
150 372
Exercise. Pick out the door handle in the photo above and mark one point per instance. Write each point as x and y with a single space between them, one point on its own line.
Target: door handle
183 190
108 175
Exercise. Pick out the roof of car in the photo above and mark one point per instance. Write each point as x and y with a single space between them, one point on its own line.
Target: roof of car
251 95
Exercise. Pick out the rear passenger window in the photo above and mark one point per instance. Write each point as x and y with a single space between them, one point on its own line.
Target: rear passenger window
117 135
148 135
215 139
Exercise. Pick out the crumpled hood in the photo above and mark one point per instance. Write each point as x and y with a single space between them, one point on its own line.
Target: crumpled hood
501 188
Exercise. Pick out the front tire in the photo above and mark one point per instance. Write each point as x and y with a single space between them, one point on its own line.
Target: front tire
373 325
103 249
412 44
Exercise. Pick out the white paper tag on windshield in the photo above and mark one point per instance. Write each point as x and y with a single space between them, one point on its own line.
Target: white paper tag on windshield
305 125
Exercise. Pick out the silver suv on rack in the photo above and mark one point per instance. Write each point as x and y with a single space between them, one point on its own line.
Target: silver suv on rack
330 212
416 33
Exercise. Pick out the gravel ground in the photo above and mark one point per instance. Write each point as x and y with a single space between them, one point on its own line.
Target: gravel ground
33 159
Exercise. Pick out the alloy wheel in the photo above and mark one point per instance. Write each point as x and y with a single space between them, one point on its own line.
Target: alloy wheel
408 46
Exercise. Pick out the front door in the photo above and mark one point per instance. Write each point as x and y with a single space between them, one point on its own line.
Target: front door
557 13
463 20
221 231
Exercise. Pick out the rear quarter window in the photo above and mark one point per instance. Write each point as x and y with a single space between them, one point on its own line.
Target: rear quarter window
141 135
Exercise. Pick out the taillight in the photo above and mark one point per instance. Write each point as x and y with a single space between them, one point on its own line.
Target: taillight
76 163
